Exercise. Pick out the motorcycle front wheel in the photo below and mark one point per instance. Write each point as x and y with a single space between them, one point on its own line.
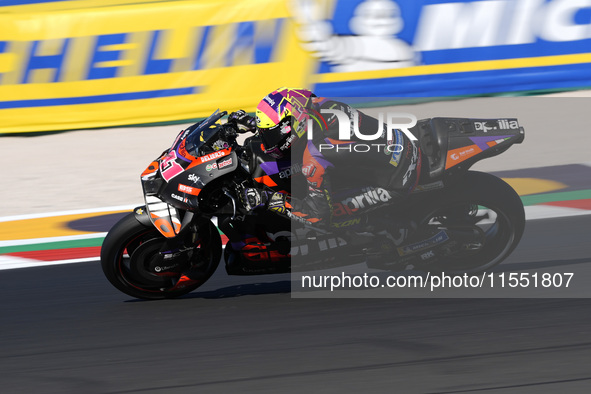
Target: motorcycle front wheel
132 262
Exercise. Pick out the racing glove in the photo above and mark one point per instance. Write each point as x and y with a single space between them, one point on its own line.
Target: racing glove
254 199
243 121
276 203
279 203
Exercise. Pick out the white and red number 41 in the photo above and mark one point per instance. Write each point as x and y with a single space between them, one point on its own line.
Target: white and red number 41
169 168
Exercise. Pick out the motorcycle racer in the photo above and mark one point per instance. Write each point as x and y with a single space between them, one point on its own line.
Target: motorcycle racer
343 182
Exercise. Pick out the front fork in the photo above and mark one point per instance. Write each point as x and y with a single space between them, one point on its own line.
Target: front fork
181 243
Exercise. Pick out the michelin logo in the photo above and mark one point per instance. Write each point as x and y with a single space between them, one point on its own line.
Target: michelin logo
373 45
375 24
499 22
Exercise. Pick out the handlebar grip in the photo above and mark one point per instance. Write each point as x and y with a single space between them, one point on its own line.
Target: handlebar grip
230 131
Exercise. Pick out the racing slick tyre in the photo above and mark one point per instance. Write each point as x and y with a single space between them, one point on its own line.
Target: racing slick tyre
489 211
132 262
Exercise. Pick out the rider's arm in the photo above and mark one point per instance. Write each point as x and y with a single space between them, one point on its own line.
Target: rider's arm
315 207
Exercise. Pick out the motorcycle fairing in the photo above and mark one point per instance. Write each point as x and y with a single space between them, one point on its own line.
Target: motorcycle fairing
458 155
176 179
164 217
179 175
183 191
151 169
475 139
271 172
453 145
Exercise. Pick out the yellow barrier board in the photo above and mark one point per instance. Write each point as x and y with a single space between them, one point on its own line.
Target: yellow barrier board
71 68
98 63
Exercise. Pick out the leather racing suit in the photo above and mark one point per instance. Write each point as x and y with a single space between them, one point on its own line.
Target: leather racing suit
347 178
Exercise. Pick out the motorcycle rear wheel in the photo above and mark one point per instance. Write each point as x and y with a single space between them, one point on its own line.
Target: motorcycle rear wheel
129 250
491 205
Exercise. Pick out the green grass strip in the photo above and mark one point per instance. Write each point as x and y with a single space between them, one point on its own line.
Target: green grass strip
558 196
78 243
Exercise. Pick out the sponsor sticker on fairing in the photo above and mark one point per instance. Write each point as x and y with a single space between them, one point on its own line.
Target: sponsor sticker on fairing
212 156
211 166
176 197
189 190
224 163
466 152
508 124
501 124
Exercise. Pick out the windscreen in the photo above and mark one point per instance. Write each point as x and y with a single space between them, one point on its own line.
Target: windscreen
202 132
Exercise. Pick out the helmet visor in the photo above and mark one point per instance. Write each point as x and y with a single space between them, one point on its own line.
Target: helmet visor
274 137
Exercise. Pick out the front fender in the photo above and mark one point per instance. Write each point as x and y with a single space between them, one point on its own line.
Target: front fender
142 216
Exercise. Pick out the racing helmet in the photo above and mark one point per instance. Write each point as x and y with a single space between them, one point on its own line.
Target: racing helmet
281 117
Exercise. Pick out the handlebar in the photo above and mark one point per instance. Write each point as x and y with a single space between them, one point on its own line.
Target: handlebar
229 133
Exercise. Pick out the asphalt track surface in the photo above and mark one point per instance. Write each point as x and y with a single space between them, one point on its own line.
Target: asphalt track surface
67 330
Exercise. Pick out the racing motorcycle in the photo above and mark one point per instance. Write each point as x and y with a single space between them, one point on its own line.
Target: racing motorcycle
457 221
